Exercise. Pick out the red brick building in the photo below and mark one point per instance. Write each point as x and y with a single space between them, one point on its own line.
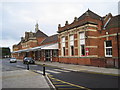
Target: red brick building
90 40
37 45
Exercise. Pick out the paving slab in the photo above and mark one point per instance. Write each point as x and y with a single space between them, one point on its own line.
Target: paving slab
23 79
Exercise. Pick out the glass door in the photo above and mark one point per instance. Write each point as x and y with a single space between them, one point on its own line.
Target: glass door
47 55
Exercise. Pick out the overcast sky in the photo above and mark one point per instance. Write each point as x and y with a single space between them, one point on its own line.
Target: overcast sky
18 16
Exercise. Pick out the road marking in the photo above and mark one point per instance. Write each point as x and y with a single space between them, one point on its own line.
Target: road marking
60 88
41 72
20 66
61 70
52 71
50 75
57 83
62 85
33 65
70 84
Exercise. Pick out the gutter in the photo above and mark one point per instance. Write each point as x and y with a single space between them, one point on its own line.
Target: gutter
52 87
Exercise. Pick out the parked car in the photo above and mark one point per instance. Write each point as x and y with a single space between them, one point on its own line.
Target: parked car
13 60
28 60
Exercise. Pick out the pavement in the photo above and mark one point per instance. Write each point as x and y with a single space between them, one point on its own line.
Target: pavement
24 79
82 68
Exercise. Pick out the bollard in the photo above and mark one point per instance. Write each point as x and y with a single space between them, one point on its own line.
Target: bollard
43 69
27 65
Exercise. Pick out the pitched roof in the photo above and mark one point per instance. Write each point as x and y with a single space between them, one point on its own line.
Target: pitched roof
90 14
114 22
51 39
81 21
75 26
40 34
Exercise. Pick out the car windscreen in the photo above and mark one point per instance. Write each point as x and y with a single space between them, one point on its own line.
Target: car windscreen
28 58
13 58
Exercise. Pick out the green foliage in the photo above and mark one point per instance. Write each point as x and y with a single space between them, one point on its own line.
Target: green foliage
5 51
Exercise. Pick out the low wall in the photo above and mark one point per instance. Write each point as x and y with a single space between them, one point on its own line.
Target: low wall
98 62
104 62
82 61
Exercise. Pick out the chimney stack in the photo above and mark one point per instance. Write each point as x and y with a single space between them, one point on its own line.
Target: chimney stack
66 23
59 25
75 19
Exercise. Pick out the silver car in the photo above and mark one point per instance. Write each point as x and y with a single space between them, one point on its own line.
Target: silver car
13 60
29 60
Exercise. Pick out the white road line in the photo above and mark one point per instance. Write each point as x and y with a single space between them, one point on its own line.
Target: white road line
61 70
52 71
33 65
42 72
20 66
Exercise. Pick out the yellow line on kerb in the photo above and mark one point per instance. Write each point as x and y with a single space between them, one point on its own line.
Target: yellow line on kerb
69 89
57 82
71 84
62 85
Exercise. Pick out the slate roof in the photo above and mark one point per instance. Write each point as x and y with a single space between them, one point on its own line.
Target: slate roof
50 39
114 22
75 26
90 14
40 34
82 17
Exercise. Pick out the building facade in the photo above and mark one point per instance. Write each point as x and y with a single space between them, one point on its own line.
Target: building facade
37 45
90 40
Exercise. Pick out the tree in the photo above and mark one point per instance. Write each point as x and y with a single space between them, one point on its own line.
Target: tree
5 52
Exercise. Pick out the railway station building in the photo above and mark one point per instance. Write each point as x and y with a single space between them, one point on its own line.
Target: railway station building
89 40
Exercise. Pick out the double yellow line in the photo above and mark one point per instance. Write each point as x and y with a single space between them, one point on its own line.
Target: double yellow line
81 87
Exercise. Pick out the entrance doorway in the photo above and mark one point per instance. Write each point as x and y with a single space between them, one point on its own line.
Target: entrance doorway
26 54
47 55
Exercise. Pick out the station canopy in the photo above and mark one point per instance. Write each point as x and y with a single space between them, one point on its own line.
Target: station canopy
45 47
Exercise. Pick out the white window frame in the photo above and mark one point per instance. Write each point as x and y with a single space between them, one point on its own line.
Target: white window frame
63 51
82 42
62 45
71 44
107 48
81 50
82 39
63 41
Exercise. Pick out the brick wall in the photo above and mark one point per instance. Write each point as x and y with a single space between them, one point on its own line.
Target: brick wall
94 42
82 61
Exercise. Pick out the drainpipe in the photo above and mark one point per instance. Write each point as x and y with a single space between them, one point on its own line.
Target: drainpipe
118 50
58 55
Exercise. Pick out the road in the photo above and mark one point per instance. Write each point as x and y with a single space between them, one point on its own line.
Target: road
65 79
